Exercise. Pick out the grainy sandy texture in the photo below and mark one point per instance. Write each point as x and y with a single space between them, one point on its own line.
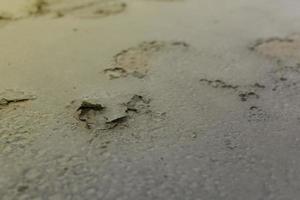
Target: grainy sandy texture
149 99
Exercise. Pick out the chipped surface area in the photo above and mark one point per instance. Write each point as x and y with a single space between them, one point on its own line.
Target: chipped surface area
96 115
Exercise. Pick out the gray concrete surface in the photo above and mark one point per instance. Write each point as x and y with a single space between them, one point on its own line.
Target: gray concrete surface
220 117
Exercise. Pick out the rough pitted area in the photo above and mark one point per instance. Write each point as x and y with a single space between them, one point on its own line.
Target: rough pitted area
135 60
19 129
286 78
62 169
257 114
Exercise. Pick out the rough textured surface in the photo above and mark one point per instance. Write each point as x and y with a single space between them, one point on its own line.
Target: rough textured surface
209 112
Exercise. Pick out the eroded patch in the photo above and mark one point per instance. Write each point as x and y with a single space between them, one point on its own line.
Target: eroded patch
283 49
286 52
135 60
